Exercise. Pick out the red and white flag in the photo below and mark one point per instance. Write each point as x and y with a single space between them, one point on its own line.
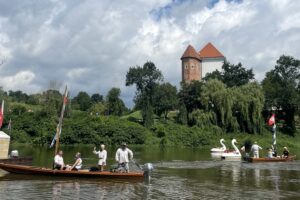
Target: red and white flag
271 120
2 113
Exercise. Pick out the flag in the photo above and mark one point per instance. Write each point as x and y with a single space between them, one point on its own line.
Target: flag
271 120
2 114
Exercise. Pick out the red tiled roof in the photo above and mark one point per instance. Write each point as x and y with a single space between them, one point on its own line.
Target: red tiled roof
209 51
190 52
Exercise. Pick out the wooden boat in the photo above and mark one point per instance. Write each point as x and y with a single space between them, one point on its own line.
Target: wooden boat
18 161
278 159
22 169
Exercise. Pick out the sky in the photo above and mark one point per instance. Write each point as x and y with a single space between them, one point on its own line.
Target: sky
90 44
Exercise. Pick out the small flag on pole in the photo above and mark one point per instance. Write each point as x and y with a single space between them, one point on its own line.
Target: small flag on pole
271 120
2 114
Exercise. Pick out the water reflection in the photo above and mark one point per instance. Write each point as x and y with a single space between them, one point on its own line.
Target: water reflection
179 174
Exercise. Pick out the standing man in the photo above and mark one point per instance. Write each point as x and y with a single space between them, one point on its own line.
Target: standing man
102 155
123 155
255 149
59 161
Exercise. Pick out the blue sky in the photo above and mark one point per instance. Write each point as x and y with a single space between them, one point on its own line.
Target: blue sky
90 45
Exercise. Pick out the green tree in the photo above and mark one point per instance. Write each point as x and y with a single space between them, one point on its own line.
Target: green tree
232 109
232 75
182 117
115 105
98 109
165 99
281 87
146 79
51 101
83 100
190 95
96 98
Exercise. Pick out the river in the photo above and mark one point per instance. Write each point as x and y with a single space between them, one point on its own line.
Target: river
180 173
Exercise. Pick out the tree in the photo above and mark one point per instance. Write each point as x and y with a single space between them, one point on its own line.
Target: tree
182 115
232 75
282 89
98 109
96 98
83 100
52 101
146 79
190 94
18 96
115 105
165 99
233 109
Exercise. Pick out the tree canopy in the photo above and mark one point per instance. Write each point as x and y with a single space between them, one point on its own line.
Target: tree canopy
232 75
281 86
146 80
115 105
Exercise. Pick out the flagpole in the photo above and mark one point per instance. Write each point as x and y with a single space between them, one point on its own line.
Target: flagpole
2 114
58 130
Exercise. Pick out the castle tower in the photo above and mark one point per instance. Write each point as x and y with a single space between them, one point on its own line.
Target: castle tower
212 59
191 65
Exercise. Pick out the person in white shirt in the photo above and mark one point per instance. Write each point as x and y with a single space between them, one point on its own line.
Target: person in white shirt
59 161
123 155
102 155
78 163
255 149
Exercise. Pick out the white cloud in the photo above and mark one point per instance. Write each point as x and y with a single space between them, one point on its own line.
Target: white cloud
77 73
91 44
22 80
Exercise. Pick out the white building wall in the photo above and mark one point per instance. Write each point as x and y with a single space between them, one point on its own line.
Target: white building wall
210 65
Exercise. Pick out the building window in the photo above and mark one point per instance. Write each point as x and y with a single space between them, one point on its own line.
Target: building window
192 66
186 66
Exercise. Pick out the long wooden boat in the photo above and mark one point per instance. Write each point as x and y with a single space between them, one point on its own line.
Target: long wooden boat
18 161
22 169
278 159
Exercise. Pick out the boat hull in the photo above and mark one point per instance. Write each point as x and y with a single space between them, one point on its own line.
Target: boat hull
255 160
231 158
29 170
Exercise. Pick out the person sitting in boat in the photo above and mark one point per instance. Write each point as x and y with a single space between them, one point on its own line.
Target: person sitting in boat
102 155
78 163
285 152
123 155
59 161
255 150
270 153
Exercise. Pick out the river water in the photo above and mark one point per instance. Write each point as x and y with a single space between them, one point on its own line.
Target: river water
180 173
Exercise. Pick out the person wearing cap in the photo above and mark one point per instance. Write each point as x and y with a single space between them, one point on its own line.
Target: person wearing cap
255 150
123 155
102 155
285 152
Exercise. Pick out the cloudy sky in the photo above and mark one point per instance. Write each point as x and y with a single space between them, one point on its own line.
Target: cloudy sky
90 44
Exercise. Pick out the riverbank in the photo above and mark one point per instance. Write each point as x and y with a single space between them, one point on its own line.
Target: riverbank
82 128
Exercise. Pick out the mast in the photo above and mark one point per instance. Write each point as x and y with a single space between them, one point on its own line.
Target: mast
59 126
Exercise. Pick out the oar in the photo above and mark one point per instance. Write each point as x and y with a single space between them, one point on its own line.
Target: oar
134 162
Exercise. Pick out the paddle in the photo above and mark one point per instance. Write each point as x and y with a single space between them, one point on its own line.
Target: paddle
134 162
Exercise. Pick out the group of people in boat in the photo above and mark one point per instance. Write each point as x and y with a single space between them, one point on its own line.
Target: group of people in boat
122 157
272 153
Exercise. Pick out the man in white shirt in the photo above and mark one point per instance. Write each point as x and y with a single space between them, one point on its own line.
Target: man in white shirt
255 149
123 155
59 161
102 155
